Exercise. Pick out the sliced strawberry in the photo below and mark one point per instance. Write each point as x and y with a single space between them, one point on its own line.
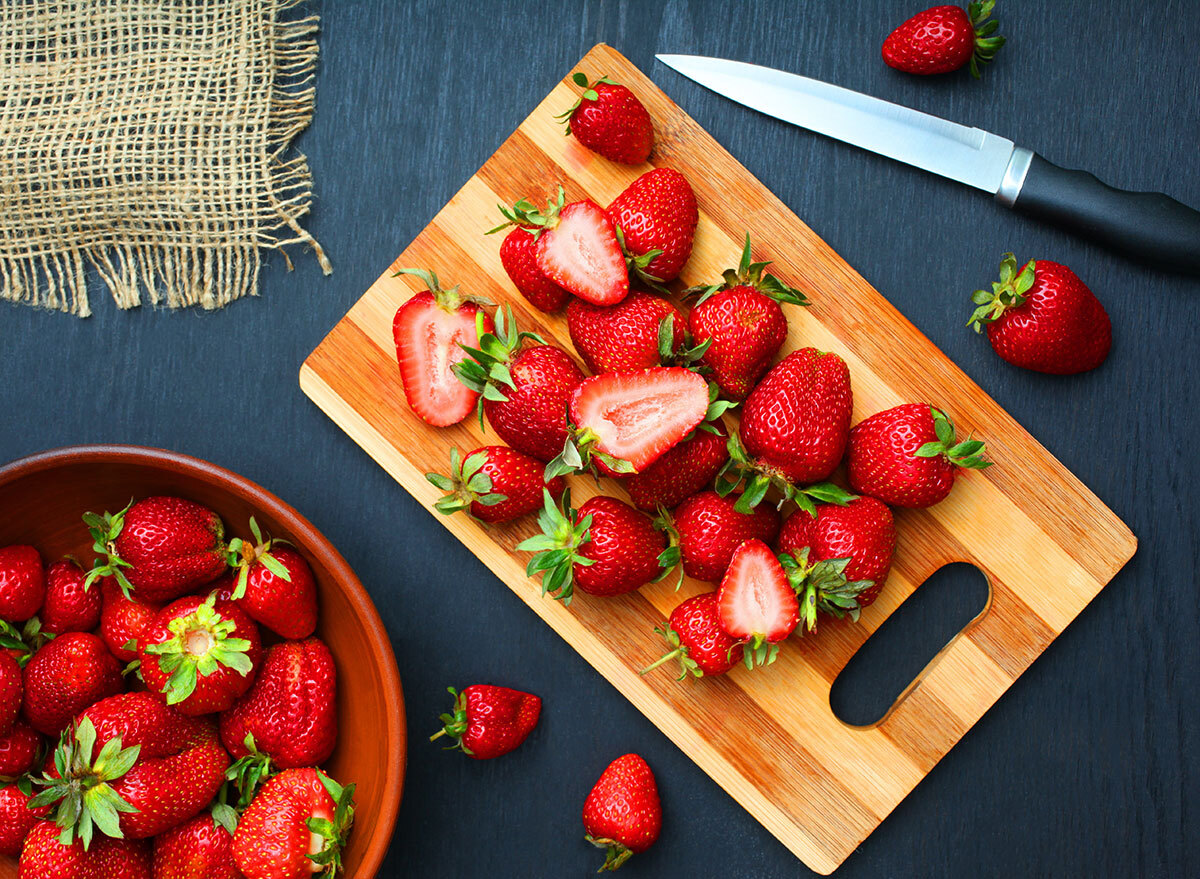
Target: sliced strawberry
581 254
430 330
756 602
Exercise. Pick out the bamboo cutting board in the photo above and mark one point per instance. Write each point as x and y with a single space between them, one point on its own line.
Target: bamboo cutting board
1046 544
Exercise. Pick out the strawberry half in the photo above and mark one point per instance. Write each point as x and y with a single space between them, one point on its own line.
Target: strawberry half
489 721
655 217
697 640
493 484
610 120
430 330
518 255
757 605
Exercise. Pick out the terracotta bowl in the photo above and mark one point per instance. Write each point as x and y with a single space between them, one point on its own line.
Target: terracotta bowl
41 499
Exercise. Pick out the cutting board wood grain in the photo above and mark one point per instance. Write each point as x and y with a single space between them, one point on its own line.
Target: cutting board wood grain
769 737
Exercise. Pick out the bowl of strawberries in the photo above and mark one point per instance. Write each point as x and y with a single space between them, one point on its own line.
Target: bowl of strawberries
178 650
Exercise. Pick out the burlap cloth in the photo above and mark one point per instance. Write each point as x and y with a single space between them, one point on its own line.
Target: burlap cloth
149 139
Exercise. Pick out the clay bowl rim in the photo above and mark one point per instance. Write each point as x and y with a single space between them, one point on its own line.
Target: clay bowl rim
316 544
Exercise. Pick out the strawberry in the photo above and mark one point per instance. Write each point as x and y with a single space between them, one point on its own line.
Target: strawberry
624 422
132 766
291 710
524 389
741 323
489 721
606 547
1043 318
707 529
22 583
944 38
19 751
275 585
197 849
295 827
163 547
122 619
756 603
518 255
609 119
200 654
16 818
622 814
43 856
641 332
494 484
681 471
64 677
697 640
12 691
430 330
655 217
907 456
71 604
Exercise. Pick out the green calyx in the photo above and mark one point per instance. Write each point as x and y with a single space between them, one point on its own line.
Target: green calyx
556 549
466 484
756 480
669 559
105 530
485 369
524 214
987 41
686 354
333 833
243 556
450 300
86 800
589 94
580 453
1008 292
759 652
687 665
454 723
750 274
966 454
200 644
822 586
244 776
27 640
636 264
615 853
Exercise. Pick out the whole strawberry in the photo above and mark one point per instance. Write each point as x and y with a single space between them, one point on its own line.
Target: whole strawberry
200 654
123 618
44 857
656 217
740 321
489 721
756 604
275 585
609 119
295 827
708 528
944 38
606 547
20 751
72 604
494 484
22 583
12 691
681 471
197 849
636 334
524 389
64 677
518 255
907 456
697 640
291 711
623 814
1043 318
16 819
161 547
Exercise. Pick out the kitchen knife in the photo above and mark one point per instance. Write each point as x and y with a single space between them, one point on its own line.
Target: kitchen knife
1148 226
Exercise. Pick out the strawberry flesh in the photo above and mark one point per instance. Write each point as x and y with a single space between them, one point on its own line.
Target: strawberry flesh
756 603
581 254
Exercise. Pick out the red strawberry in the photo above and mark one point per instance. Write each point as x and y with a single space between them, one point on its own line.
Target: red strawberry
709 529
656 219
756 603
681 471
11 692
493 483
275 585
291 710
906 456
16 819
1043 318
641 332
197 849
742 324
44 857
429 331
163 547
624 422
19 751
122 619
64 677
71 605
518 255
489 721
22 583
200 654
697 639
622 814
944 38
609 119
295 827
606 547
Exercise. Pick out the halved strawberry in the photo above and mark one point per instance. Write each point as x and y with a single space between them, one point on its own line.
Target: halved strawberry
756 603
430 330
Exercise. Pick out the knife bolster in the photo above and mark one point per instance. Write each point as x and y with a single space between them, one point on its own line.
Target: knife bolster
1014 176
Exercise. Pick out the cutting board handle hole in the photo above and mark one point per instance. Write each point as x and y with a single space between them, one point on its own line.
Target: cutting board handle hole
885 668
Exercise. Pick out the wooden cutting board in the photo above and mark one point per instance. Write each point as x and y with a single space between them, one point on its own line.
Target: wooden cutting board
1046 544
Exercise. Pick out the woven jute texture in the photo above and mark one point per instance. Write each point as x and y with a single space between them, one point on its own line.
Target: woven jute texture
150 139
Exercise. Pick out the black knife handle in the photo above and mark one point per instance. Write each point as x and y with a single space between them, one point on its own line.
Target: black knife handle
1148 226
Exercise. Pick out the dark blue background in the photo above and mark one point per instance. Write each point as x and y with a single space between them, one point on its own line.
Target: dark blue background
1087 767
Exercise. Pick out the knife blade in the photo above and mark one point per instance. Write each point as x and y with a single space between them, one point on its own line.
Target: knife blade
1148 226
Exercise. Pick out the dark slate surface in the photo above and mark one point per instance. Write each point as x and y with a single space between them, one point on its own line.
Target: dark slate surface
1087 767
